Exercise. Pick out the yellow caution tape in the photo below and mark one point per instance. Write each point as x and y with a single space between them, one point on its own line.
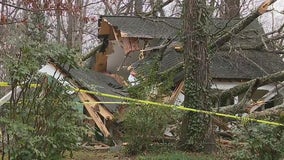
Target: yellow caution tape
104 102
243 119
6 84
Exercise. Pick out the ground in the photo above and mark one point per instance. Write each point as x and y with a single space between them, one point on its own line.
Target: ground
92 154
107 155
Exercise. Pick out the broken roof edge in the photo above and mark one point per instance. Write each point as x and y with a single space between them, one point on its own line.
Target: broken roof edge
101 83
114 87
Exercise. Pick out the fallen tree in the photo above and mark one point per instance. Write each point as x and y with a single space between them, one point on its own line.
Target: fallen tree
249 87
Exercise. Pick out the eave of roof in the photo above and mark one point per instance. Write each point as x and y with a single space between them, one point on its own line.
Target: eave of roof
132 26
169 27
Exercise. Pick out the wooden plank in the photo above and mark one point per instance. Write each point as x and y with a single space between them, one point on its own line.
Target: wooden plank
119 79
115 34
105 29
83 96
176 92
96 117
98 108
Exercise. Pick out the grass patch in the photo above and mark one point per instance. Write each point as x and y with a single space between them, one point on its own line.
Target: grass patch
90 155
176 156
107 155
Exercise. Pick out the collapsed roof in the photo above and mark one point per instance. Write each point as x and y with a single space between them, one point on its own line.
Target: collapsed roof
99 82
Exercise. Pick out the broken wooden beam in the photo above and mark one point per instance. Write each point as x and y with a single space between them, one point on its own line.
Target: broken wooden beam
176 92
98 107
95 116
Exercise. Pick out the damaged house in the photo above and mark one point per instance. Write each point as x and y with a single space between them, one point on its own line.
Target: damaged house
130 42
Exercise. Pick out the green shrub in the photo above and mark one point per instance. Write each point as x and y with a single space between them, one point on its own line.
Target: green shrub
144 125
40 122
264 142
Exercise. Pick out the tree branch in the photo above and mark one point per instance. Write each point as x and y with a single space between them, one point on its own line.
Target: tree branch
92 52
16 7
158 7
219 42
274 111
241 106
276 77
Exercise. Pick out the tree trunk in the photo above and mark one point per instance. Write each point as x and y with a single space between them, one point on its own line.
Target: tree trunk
196 129
138 7
58 13
71 22
80 25
231 9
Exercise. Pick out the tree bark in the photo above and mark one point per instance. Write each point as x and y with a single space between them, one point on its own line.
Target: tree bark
196 129
92 52
158 7
80 25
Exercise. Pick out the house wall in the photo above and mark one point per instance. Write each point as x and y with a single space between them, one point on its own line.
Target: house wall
118 61
227 85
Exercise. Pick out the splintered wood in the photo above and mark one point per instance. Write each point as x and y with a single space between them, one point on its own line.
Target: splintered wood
94 110
263 7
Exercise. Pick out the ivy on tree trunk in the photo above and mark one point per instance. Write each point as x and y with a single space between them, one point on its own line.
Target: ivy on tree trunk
195 129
